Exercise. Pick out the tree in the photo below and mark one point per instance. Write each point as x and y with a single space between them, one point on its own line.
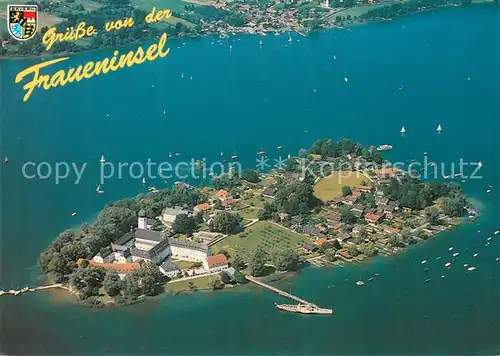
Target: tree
87 281
198 218
112 282
346 190
238 262
122 217
330 255
347 216
296 198
239 277
150 277
257 263
368 249
353 250
454 206
250 176
225 277
226 222
217 284
184 224
285 259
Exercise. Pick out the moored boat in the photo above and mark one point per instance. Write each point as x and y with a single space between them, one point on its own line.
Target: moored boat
304 308
384 148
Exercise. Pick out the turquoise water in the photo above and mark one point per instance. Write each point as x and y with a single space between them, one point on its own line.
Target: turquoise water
246 100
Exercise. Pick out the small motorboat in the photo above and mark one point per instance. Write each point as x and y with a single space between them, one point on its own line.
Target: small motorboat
360 283
448 264
424 262
73 214
471 268
450 249
427 280
425 270
475 255
455 254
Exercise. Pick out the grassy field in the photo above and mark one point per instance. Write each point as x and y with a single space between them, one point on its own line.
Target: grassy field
264 234
147 5
200 283
184 264
331 187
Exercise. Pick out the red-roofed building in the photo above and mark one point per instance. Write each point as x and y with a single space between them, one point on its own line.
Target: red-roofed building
201 207
215 263
223 195
372 218
121 268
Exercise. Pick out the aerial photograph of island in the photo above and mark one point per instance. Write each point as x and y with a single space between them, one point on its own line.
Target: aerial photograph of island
249 177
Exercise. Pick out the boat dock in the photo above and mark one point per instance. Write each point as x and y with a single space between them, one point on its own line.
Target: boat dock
26 289
278 291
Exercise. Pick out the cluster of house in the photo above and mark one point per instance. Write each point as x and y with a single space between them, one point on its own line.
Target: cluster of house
143 244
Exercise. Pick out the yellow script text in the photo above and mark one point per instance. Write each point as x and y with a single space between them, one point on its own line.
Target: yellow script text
119 24
51 36
89 69
159 16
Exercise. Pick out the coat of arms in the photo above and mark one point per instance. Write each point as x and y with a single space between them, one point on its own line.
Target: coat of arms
23 21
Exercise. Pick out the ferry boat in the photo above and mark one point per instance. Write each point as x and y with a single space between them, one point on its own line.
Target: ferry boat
304 308
384 148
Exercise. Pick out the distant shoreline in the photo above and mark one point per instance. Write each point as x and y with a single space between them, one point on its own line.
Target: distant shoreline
352 23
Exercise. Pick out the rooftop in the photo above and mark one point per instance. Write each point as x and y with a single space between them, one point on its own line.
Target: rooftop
121 268
217 260
149 235
174 211
188 244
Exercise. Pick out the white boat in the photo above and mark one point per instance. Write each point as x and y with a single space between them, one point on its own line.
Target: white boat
455 254
403 130
261 43
143 180
102 160
448 264
471 268
182 75
475 255
190 77
303 308
384 148
466 265
488 191
6 160
99 190
230 47
360 283
488 239
439 129
346 79
450 249
334 56
221 153
164 111
73 214
497 232
176 153
424 262
480 163
170 155
279 147
290 39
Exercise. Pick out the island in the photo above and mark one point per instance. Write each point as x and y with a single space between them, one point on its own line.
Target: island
202 17
252 224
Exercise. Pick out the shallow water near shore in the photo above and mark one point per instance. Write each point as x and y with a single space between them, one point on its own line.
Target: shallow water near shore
244 101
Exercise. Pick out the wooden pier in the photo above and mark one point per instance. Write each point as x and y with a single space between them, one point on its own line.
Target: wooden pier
279 291
26 289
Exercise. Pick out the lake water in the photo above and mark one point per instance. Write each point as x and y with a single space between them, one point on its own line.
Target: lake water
251 99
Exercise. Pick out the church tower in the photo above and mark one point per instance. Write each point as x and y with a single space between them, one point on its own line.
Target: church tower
142 222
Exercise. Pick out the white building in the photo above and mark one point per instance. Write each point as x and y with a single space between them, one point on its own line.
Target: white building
188 250
170 269
215 263
169 214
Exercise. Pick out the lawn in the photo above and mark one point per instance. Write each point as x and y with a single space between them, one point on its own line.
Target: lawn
330 188
184 264
262 234
183 285
172 5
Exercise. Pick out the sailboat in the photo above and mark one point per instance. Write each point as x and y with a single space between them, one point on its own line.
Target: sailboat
102 160
439 129
143 180
480 163
182 75
221 153
99 190
290 39
346 79
170 155
164 111
403 130
261 43
6 160
230 47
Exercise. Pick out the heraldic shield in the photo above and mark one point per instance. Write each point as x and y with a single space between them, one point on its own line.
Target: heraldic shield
23 21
